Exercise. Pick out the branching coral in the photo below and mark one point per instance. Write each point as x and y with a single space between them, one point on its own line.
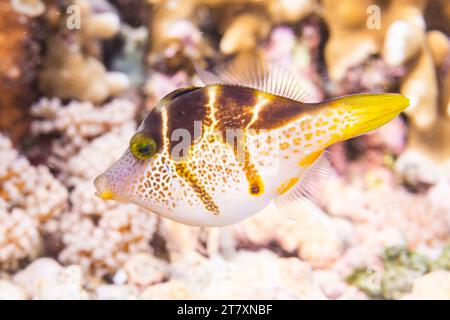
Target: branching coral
97 235
71 68
77 124
102 243
30 201
20 240
100 153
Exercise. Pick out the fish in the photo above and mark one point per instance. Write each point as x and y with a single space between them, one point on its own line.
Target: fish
217 154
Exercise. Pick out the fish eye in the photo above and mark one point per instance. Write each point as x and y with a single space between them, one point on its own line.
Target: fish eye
142 146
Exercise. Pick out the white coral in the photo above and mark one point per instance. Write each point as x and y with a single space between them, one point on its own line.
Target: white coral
46 279
31 199
102 241
246 275
19 238
79 123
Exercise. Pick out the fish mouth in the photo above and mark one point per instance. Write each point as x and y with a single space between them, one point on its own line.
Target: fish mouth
105 195
102 189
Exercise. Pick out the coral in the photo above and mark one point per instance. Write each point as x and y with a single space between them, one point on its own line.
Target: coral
32 189
427 154
100 153
134 13
315 237
244 33
19 238
31 8
9 291
260 275
244 25
19 55
77 124
80 119
422 219
406 50
46 279
299 53
31 200
180 239
159 84
144 269
383 226
334 287
434 285
130 58
101 237
394 29
403 270
91 139
71 68
176 38
116 292
443 261
171 289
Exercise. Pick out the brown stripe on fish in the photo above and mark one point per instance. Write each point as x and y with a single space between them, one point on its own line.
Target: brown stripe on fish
184 171
238 108
255 181
235 107
184 111
155 129
280 111
256 185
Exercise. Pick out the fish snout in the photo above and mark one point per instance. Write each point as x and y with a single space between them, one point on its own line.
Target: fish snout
104 189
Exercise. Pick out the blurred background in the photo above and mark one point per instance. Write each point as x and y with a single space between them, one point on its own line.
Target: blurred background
77 77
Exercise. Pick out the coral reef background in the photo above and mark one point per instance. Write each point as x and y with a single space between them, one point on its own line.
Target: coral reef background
77 76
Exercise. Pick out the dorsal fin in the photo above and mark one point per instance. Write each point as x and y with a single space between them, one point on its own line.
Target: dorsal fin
264 76
308 191
178 92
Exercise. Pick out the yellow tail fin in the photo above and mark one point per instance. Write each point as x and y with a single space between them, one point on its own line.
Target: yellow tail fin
366 112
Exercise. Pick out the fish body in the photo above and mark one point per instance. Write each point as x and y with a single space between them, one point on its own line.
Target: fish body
222 152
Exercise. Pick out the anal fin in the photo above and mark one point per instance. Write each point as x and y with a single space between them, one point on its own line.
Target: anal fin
308 191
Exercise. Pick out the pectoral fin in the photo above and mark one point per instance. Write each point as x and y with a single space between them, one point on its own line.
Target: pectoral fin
308 191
